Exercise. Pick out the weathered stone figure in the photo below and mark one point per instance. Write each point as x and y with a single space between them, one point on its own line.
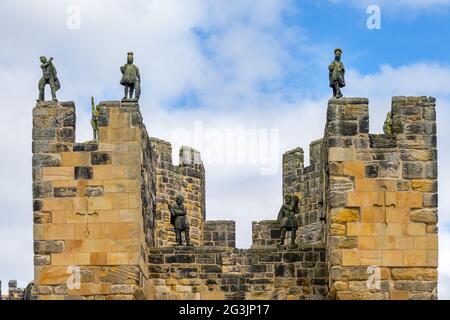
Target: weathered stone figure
387 128
94 119
131 79
178 218
287 217
49 76
337 74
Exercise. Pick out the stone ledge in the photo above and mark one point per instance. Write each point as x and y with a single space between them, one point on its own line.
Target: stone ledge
220 222
266 222
64 104
188 249
346 101
253 249
402 100
119 104
297 151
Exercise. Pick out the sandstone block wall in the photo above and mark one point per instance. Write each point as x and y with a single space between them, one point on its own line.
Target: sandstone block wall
90 224
219 234
382 201
205 273
267 233
188 179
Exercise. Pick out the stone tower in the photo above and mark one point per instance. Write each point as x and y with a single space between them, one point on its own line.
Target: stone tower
381 212
98 206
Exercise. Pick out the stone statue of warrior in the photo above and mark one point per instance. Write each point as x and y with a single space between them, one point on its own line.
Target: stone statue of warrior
337 74
95 117
131 79
178 218
49 76
287 217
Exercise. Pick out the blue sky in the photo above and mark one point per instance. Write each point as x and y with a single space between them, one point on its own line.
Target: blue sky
405 37
226 65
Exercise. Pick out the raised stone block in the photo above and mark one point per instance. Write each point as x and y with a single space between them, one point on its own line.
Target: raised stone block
46 160
344 215
100 158
341 154
42 189
65 192
46 247
86 146
424 215
342 128
83 173
66 134
44 133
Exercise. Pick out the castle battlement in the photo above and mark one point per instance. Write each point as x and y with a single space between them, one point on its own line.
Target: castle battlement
367 208
382 192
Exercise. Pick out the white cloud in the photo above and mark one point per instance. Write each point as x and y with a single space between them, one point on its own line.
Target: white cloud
241 52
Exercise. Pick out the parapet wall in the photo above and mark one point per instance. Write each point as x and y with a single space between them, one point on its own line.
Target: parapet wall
188 179
210 273
266 233
219 233
382 201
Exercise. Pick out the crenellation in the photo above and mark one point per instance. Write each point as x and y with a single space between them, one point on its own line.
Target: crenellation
368 206
315 151
266 233
188 179
293 163
219 233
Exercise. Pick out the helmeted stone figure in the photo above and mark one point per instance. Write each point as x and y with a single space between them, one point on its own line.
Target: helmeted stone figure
131 79
49 76
178 218
337 74
287 217
95 117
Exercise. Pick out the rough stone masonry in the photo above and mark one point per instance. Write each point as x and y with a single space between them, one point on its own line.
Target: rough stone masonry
367 213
